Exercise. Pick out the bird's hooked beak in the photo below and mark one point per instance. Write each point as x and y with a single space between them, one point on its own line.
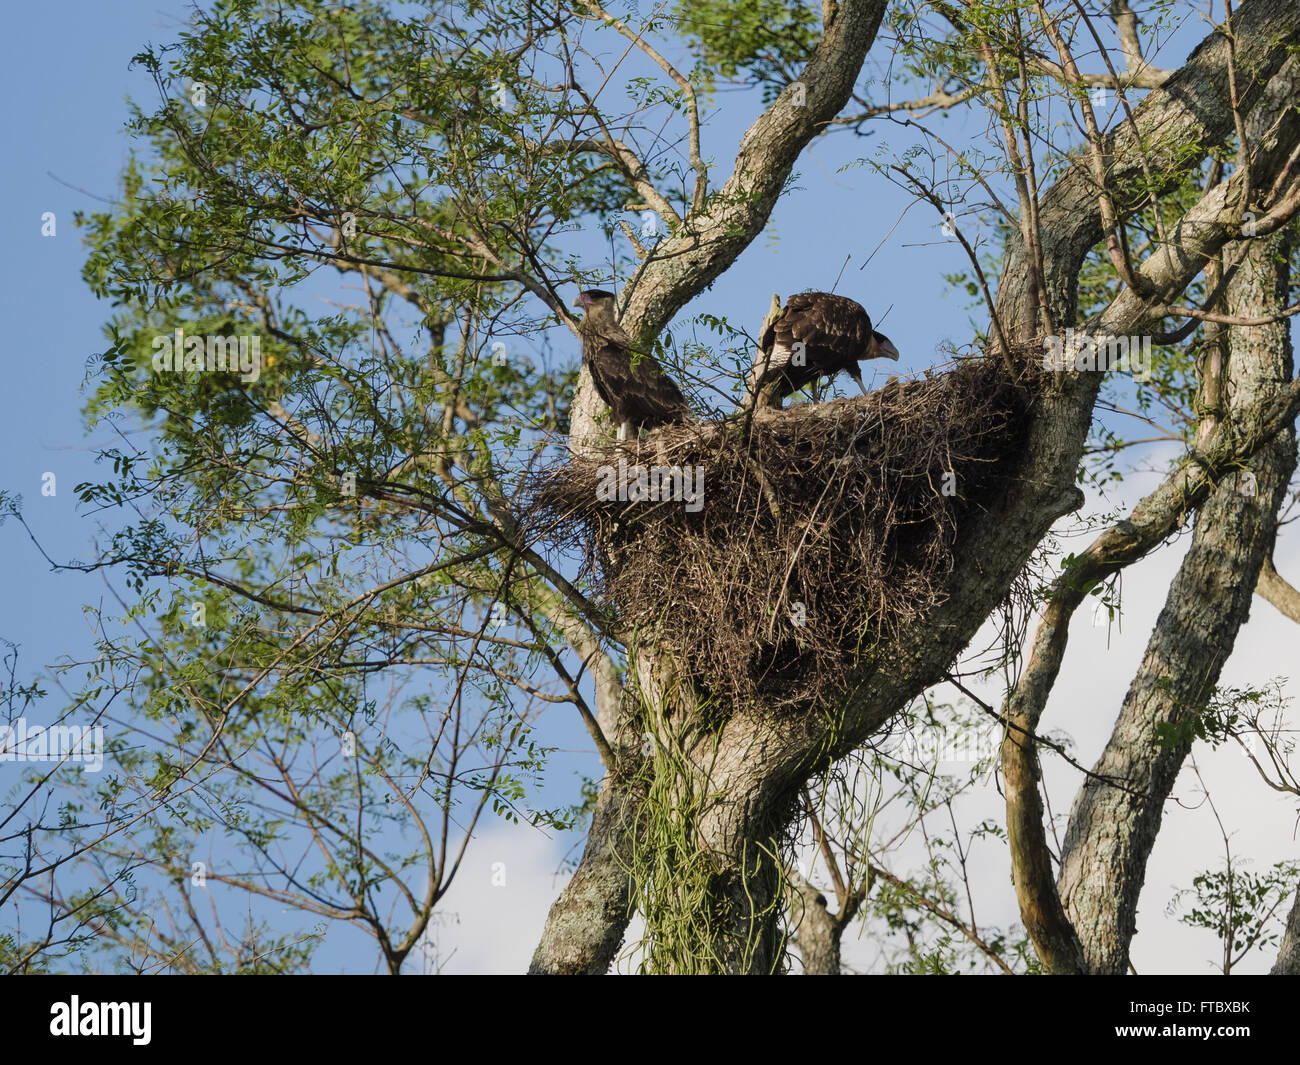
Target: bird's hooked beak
882 347
581 301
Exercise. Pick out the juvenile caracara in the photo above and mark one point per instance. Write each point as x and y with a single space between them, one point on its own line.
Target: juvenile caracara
835 333
632 384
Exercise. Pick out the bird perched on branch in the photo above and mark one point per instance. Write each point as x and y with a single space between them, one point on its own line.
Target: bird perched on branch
632 384
817 335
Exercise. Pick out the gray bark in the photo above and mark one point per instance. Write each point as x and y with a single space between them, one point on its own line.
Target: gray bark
1112 830
752 767
585 925
706 242
817 932
757 765
1288 955
1282 594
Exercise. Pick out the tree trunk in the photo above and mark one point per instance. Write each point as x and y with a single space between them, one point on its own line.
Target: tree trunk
1113 828
1288 955
817 932
743 774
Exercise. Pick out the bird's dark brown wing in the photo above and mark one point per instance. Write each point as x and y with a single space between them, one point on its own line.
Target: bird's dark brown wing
834 331
599 358
607 331
652 397
604 348
836 326
633 386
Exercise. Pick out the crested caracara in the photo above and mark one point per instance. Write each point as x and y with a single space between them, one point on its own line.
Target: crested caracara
817 335
632 384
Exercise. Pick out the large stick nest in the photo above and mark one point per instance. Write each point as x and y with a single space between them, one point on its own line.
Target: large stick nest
825 529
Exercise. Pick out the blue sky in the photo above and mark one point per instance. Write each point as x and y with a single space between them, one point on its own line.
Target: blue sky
66 69
68 150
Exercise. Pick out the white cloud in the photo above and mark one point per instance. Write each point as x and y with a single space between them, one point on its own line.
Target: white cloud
489 927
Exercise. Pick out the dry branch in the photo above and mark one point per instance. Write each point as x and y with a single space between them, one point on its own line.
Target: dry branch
826 529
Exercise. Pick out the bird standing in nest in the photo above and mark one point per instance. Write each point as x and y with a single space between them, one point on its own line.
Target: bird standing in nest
632 384
817 335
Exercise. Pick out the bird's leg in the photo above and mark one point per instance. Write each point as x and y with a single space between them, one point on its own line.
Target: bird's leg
623 429
858 377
